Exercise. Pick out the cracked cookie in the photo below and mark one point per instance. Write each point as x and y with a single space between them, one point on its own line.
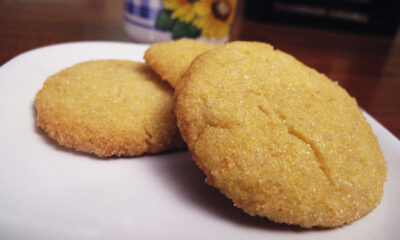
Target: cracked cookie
109 108
171 59
278 138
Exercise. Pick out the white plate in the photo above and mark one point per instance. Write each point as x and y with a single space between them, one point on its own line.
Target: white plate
49 192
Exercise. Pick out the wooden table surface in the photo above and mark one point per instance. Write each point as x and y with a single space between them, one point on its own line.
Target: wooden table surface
367 66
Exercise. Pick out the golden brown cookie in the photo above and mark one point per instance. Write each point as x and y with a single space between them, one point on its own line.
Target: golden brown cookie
278 138
171 59
109 108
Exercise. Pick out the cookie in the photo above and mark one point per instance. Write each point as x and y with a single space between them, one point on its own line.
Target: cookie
109 108
171 59
278 138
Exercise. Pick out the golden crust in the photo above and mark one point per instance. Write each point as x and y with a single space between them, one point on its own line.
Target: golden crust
171 59
278 138
109 108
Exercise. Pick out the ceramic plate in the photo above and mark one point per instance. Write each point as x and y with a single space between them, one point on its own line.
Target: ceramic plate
50 192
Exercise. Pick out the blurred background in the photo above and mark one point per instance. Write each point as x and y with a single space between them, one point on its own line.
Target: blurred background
354 42
361 16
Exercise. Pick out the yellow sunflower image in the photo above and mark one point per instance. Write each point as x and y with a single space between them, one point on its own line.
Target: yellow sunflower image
214 17
182 9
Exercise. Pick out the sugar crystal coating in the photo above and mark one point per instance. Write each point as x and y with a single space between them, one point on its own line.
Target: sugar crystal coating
278 138
108 107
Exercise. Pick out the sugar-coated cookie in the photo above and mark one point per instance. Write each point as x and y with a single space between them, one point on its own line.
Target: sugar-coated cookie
109 108
278 138
171 59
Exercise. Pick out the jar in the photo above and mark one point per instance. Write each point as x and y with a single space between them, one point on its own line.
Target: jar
164 20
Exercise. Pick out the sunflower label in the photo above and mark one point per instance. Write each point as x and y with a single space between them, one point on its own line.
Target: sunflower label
164 20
